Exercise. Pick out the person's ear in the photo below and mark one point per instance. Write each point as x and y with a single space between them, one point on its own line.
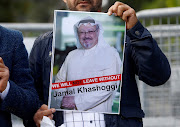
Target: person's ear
65 1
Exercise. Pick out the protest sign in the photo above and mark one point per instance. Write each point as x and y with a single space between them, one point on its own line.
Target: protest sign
87 62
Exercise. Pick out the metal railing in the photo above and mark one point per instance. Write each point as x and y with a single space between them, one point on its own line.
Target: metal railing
163 103
29 27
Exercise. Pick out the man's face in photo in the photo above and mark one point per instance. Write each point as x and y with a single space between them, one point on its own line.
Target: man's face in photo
88 35
84 5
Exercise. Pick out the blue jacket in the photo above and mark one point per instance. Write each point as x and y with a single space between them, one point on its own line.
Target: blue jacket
142 57
22 99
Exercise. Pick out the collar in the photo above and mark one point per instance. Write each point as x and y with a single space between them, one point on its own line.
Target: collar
89 51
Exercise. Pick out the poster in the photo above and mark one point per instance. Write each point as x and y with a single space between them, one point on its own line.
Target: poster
87 62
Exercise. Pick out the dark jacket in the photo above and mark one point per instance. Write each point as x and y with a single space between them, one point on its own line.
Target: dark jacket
142 57
22 99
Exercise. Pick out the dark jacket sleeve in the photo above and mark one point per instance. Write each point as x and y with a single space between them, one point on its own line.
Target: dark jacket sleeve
22 99
35 62
40 65
151 65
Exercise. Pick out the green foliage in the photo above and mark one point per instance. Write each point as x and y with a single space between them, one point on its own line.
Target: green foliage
28 10
161 4
11 10
42 11
172 3
148 4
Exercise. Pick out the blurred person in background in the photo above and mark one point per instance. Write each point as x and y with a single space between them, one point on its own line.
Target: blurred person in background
142 57
17 93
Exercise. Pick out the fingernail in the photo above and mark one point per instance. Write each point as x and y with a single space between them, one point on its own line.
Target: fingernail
53 110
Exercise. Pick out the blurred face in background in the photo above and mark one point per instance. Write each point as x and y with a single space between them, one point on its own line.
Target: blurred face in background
84 5
88 35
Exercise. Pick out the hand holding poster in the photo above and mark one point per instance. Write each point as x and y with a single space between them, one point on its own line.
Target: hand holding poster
90 77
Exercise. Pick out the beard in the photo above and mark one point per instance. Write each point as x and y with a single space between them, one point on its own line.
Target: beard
95 6
87 44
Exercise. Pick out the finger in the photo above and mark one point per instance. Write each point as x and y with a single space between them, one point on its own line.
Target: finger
2 65
113 8
127 14
2 69
110 11
3 85
1 60
53 110
121 9
2 73
117 3
48 112
51 116
44 107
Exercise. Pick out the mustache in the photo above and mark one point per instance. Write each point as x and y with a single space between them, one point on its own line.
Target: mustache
87 38
78 1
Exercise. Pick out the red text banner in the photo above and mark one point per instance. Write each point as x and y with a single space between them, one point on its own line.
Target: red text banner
87 81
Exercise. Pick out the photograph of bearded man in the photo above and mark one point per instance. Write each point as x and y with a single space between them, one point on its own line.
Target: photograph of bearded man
92 58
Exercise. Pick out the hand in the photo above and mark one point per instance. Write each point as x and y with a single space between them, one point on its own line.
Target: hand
4 75
124 11
68 102
43 111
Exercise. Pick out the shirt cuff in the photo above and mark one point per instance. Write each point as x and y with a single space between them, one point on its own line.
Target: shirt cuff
136 32
5 92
